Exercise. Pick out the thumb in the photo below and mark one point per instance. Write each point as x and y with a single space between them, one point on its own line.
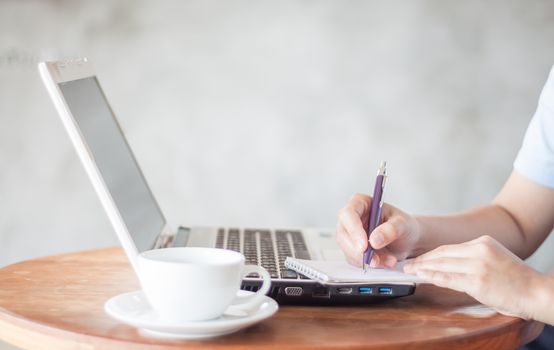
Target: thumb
387 232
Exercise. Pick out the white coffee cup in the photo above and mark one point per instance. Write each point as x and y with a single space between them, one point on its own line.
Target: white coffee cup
196 284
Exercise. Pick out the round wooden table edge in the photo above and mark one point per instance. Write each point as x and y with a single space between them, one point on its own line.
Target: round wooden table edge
39 334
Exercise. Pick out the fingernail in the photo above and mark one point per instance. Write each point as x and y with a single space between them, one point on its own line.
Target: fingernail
377 239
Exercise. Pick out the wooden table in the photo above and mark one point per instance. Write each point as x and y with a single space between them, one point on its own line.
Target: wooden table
57 303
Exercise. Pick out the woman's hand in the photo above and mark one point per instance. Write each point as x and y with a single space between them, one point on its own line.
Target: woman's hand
394 240
487 271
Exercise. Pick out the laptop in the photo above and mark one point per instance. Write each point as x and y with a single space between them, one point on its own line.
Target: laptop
140 224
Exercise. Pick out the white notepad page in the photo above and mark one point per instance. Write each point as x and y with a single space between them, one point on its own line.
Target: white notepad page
342 272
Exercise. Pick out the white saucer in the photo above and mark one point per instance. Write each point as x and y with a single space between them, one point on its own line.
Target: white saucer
133 309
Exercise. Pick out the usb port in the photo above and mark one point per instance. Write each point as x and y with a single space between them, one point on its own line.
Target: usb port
365 290
344 290
321 292
385 290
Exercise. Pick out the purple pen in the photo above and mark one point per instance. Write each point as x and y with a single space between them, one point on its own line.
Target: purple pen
375 211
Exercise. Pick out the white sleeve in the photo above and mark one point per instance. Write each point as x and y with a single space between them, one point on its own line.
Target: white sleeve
535 159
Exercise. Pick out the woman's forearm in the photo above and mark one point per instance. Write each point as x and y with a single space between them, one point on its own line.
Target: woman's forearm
520 218
490 220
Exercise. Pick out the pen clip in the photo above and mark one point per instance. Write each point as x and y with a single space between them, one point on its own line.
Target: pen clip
383 190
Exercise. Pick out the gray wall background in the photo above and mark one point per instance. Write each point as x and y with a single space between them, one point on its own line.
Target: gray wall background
269 113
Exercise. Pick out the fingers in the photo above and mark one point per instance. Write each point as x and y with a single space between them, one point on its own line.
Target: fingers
457 266
376 261
388 232
383 258
446 251
483 247
352 236
482 268
354 261
351 219
361 203
352 250
448 265
456 281
443 272
354 254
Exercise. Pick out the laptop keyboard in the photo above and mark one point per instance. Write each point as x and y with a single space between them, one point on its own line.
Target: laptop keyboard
266 248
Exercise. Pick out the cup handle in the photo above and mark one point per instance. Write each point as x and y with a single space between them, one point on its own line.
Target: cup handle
253 300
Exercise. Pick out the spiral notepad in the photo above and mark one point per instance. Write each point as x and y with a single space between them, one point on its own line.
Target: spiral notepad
330 272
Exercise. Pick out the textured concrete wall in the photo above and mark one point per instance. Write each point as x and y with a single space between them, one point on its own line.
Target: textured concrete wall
269 112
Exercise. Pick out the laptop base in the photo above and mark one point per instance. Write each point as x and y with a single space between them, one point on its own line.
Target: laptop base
315 294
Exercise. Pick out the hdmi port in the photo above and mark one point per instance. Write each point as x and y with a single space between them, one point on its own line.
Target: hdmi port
344 290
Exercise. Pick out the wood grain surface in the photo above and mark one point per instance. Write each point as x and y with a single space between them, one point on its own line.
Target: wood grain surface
57 303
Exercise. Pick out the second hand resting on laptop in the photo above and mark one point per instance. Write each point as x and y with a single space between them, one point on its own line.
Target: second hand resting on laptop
375 211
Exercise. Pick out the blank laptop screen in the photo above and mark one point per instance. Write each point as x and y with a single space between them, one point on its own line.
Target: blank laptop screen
114 160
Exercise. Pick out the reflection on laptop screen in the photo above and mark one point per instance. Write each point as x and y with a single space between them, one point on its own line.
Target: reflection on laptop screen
114 160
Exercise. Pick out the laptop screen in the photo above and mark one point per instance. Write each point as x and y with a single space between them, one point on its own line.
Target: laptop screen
115 161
